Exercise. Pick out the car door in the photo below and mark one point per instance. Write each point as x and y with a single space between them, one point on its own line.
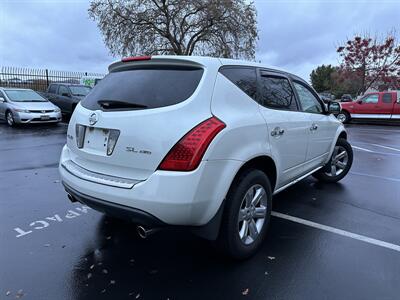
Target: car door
65 100
396 107
3 105
367 106
287 127
322 129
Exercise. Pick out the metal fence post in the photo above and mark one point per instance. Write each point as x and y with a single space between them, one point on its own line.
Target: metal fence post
47 78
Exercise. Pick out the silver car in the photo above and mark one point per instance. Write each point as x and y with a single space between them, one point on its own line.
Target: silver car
20 106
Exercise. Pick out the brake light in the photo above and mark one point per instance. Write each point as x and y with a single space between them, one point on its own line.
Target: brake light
188 152
135 58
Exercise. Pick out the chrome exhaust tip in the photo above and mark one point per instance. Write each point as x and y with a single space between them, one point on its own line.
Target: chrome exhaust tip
71 198
145 233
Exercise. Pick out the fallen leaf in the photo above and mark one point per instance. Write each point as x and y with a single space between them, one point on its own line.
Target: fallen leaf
131 293
8 293
245 292
19 294
91 267
103 291
266 273
89 275
108 238
112 281
314 198
137 296
105 271
99 263
271 257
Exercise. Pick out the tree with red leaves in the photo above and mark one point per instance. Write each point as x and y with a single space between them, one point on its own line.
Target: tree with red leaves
374 62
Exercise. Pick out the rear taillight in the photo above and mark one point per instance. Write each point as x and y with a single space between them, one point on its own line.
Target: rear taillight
188 152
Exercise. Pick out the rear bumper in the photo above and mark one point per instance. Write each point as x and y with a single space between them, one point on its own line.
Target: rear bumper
117 210
175 198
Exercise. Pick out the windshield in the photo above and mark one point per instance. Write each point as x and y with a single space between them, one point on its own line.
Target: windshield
80 90
24 96
144 88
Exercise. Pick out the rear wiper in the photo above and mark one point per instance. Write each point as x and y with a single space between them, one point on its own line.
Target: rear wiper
112 104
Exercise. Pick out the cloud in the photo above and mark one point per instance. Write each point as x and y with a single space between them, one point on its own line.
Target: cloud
299 35
294 35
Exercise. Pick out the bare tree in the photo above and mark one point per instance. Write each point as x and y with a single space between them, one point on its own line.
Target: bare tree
223 28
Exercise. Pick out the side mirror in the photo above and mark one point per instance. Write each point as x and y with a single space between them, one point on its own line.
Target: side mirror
359 101
65 95
2 100
334 108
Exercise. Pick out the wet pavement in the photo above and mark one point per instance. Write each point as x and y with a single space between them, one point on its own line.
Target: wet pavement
53 249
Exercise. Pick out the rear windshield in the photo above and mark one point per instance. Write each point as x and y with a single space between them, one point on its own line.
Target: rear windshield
144 88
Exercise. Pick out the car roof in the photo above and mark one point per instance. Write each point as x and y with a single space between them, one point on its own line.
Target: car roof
202 61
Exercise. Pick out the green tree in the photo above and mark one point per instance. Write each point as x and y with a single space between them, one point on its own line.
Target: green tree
224 28
321 78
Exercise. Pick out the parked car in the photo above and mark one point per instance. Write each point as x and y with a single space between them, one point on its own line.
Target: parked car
206 149
346 98
18 106
378 106
326 97
66 95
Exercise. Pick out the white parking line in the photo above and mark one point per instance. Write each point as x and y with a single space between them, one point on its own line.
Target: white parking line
338 231
362 149
386 147
376 176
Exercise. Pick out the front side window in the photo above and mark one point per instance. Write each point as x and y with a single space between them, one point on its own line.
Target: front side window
371 99
277 93
387 98
243 78
53 88
62 90
309 103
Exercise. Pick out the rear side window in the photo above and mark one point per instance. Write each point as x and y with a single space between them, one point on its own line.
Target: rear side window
53 88
277 93
143 88
387 98
243 78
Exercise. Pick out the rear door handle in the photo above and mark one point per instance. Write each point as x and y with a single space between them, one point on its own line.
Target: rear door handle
277 132
314 127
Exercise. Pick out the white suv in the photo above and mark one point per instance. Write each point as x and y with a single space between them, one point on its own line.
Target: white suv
199 142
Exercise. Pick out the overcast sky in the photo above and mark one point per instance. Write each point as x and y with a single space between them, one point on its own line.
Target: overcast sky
294 35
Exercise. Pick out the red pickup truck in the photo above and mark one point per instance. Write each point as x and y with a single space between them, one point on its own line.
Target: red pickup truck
378 106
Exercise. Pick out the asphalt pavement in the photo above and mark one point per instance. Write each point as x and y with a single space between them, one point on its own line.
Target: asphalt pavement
326 241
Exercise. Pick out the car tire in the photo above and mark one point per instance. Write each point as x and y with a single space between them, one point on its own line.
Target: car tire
339 164
10 118
241 206
343 117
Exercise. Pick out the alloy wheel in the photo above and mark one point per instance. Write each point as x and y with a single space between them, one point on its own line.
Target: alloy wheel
252 213
339 161
10 119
